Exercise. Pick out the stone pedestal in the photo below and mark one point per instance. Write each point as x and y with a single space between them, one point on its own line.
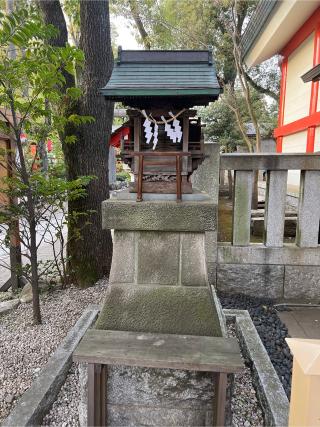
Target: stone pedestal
159 284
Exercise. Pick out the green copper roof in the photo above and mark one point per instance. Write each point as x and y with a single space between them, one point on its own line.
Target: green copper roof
190 75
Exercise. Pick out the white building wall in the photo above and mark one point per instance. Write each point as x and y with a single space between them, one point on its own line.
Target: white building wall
295 143
317 140
297 98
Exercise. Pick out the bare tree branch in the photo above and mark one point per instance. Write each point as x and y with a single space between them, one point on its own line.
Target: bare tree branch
259 88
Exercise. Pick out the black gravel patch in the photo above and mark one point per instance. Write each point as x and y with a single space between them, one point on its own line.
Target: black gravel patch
271 330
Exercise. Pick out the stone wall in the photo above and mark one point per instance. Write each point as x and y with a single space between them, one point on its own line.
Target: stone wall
288 273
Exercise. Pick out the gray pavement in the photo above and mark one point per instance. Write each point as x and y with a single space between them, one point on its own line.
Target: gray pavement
302 322
44 253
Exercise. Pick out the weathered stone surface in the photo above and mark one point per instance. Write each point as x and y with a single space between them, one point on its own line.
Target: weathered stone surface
271 394
309 209
123 260
112 165
206 177
302 282
139 396
160 309
8 305
195 196
212 273
259 161
164 289
83 401
26 294
242 207
275 208
166 387
118 415
158 258
211 248
159 215
255 280
193 260
259 254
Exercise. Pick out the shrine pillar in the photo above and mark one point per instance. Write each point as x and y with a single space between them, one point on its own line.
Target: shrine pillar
159 284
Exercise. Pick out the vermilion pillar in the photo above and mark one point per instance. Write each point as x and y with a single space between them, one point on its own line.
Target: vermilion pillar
314 92
283 83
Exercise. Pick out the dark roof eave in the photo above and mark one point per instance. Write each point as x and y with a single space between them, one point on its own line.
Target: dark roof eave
312 75
125 92
257 22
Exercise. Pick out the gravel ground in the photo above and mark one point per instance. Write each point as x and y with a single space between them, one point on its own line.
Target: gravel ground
25 348
271 330
64 411
245 407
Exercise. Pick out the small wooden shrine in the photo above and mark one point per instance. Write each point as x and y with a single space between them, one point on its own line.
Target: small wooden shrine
144 365
165 143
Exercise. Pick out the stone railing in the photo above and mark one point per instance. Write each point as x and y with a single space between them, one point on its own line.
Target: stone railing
277 166
273 268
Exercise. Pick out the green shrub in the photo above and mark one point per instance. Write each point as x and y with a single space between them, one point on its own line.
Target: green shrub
123 176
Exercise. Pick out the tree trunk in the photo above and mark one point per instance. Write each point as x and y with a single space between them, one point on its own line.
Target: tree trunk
15 245
134 9
31 222
91 255
34 264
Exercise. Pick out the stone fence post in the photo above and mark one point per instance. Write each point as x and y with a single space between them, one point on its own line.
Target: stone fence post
112 165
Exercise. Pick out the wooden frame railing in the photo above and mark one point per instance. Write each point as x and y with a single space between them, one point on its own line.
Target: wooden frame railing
103 348
277 166
177 162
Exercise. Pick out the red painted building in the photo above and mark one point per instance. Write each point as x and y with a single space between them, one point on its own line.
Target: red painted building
291 29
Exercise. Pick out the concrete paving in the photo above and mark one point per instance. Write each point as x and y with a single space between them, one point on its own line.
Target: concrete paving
302 322
44 254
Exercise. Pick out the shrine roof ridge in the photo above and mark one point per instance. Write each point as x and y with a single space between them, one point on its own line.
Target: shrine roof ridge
164 56
163 73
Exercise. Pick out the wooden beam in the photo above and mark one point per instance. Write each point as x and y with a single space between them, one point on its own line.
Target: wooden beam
220 399
212 354
97 395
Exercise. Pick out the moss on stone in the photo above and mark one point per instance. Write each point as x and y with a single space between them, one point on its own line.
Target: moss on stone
160 309
159 215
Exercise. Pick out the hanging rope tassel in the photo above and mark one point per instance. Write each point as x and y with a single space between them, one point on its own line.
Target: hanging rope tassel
155 136
169 130
177 127
174 133
147 127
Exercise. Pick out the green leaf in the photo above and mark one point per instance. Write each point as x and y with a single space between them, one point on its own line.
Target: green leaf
70 139
74 92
